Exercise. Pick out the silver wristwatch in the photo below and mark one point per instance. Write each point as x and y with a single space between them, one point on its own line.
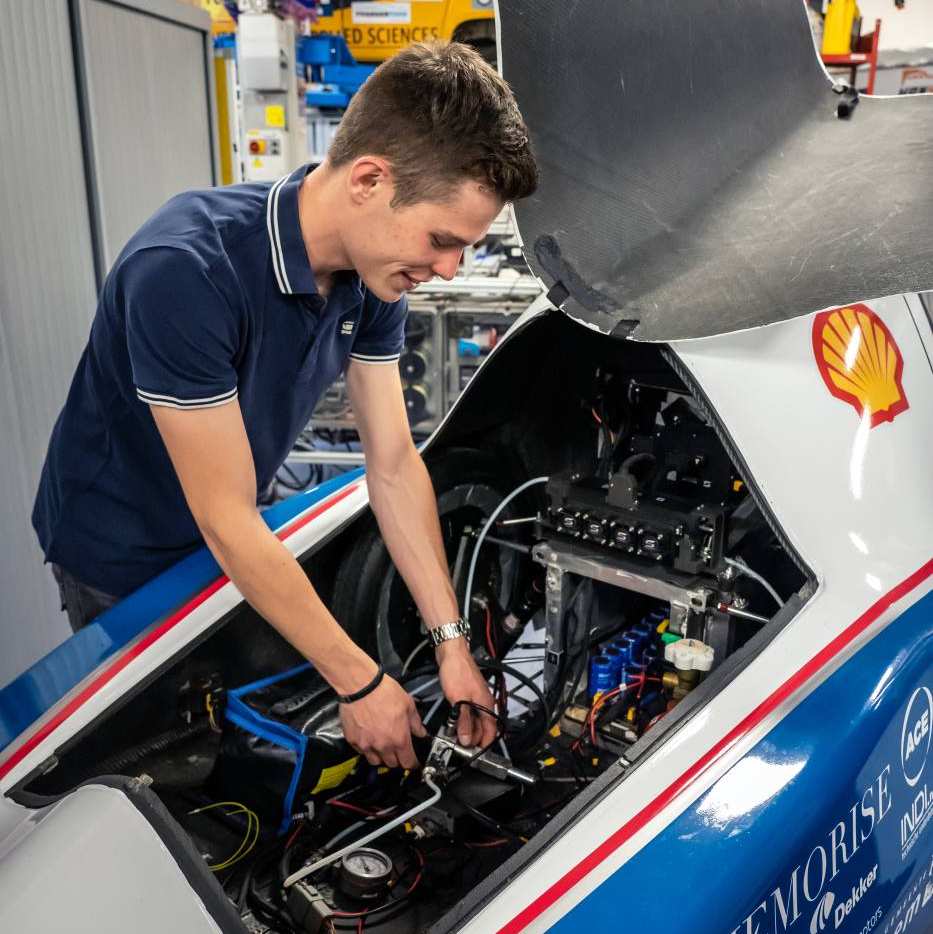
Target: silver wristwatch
447 631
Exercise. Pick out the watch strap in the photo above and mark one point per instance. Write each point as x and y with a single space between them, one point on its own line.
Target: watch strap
447 631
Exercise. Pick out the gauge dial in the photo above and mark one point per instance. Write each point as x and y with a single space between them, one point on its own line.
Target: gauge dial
365 873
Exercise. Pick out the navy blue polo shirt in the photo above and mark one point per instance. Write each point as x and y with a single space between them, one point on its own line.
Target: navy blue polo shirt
213 299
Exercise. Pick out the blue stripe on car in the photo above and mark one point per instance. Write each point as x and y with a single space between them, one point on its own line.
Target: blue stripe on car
33 692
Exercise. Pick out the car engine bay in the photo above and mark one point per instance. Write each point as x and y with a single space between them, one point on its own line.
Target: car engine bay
613 562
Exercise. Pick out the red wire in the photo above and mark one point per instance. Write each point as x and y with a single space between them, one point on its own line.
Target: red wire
641 687
502 700
591 716
417 879
489 843
590 721
352 807
294 835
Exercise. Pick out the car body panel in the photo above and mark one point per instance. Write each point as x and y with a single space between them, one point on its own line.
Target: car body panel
695 178
92 861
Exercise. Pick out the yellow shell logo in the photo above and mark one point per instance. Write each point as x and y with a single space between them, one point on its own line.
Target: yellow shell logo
860 361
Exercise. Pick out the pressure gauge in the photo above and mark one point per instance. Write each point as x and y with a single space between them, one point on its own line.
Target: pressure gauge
365 873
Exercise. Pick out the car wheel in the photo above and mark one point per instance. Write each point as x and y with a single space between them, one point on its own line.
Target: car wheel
370 598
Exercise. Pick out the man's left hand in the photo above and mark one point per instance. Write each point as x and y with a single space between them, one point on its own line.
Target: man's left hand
462 681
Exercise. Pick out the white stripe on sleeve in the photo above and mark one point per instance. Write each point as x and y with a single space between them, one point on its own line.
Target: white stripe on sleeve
173 402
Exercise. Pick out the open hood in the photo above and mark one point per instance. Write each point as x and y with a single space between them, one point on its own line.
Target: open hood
695 176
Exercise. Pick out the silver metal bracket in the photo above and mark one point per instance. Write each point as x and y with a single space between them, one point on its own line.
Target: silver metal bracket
684 594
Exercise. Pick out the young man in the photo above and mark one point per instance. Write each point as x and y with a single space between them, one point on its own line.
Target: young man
221 323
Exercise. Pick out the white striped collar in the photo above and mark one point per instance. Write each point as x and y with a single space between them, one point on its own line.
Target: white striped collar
290 264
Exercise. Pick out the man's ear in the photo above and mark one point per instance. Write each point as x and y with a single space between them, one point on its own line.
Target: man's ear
368 177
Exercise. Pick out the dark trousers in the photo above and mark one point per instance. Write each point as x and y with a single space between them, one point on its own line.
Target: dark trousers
81 602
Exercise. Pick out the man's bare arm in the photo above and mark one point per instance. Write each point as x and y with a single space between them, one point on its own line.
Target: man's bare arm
405 506
211 455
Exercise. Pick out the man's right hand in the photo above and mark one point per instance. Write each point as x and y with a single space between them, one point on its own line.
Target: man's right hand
380 725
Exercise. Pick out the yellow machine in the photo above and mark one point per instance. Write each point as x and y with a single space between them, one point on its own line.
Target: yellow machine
841 27
377 29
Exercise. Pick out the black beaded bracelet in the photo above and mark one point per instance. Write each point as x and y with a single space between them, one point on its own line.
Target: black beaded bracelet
362 692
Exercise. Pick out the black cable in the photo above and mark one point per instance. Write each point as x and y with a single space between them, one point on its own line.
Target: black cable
564 701
297 484
116 763
484 819
553 805
244 888
501 721
262 906
417 673
502 667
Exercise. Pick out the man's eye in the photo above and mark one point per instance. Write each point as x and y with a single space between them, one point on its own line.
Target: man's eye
436 243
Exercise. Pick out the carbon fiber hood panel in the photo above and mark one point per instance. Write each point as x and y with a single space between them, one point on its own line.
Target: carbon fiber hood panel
695 176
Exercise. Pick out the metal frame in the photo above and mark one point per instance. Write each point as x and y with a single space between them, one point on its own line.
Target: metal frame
689 593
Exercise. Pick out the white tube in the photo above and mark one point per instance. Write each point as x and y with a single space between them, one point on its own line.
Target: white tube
423 687
485 532
414 653
363 841
740 565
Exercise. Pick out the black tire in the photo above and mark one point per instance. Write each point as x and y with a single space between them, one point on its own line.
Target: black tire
370 599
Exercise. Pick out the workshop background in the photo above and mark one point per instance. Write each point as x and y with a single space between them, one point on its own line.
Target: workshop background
110 107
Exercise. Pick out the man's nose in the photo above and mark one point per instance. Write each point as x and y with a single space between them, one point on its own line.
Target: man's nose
447 267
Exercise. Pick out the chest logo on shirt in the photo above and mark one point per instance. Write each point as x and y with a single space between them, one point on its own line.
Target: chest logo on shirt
347 327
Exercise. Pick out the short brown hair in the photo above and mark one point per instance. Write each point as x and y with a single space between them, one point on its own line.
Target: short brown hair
438 113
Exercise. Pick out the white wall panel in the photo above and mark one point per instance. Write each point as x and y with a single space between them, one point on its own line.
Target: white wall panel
142 80
47 298
149 113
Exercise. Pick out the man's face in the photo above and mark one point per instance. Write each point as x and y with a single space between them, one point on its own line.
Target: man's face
395 249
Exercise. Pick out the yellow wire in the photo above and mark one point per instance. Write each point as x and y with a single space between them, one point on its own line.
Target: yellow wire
252 826
209 704
252 830
237 856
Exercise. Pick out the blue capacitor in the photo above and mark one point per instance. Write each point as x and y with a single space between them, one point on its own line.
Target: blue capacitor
644 633
618 659
625 648
645 636
628 674
634 644
601 676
